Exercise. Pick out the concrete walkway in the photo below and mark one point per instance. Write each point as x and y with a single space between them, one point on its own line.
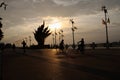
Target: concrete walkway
46 64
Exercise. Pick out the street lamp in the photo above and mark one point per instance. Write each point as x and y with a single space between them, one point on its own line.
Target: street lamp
105 21
26 41
55 38
30 40
73 29
60 35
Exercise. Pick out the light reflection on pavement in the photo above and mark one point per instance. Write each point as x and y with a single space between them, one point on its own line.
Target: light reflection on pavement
45 64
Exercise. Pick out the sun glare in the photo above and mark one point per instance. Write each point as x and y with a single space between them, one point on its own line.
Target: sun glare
56 24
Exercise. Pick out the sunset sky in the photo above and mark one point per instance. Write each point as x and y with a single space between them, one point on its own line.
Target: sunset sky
22 17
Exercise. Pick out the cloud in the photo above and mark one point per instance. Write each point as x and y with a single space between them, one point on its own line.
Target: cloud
24 13
115 25
66 2
65 8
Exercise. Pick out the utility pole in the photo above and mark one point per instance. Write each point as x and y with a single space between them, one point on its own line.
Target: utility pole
106 20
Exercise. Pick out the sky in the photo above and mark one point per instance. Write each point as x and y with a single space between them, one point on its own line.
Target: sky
23 17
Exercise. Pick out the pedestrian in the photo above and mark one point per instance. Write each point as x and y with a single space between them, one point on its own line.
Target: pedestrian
81 46
13 47
66 46
93 45
24 45
2 47
61 46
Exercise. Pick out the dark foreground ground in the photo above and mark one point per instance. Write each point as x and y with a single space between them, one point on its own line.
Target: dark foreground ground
48 64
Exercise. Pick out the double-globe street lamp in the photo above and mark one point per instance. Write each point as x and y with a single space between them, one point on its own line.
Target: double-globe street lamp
105 21
73 29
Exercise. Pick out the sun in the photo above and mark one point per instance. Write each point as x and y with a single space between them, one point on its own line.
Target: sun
56 24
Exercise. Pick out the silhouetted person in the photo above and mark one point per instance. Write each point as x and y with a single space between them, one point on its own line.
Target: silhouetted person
62 45
2 47
81 46
24 45
66 46
93 45
13 47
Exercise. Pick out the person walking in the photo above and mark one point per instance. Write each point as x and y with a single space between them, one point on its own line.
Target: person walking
81 46
93 45
24 45
61 45
13 47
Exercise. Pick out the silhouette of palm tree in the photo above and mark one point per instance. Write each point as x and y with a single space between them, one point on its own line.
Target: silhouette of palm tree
0 24
1 33
41 34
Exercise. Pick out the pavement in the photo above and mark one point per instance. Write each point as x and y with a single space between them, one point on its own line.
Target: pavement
51 64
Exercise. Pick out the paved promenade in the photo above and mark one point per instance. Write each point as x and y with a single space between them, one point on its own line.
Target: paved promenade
49 64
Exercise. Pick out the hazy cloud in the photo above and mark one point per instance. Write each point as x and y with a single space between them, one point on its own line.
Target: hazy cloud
21 13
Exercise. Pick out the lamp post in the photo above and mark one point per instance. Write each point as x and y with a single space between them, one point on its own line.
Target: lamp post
106 20
61 35
73 29
55 38
30 40
26 41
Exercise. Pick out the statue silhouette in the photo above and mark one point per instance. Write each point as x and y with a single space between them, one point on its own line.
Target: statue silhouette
41 34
